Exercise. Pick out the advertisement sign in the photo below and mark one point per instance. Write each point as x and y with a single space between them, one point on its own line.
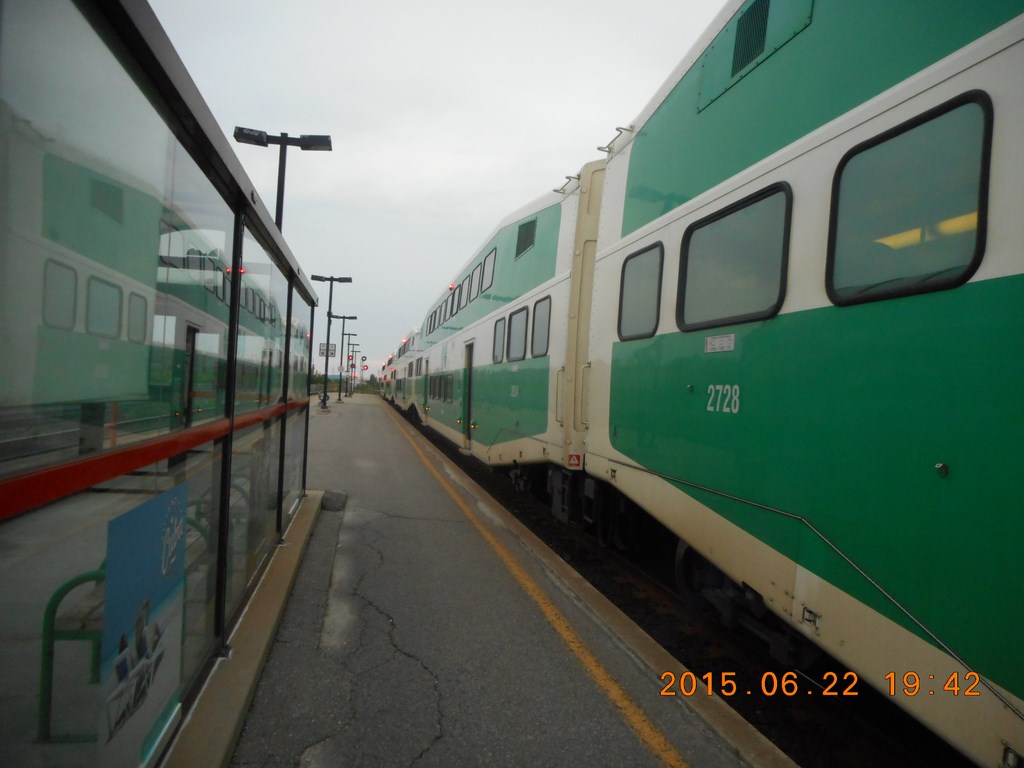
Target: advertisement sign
142 628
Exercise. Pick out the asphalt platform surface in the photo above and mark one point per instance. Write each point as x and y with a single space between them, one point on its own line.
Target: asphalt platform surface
426 628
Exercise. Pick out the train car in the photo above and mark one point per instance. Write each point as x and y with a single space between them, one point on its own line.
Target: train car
811 262
490 362
807 270
401 369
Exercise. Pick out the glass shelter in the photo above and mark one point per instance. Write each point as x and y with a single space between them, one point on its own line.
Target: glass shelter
155 337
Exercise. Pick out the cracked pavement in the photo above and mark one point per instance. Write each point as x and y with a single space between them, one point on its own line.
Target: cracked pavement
406 642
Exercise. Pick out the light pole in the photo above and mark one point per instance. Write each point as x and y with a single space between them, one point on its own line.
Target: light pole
344 366
354 351
316 143
330 301
346 342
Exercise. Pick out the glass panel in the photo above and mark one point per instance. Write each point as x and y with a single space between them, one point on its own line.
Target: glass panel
258 376
126 574
300 350
295 440
541 323
909 209
101 220
517 335
640 296
498 353
253 528
734 263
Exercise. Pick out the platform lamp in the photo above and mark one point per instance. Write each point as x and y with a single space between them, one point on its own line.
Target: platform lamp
346 344
350 385
330 302
315 143
341 365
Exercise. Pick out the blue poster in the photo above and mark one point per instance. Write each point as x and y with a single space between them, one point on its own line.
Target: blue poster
142 627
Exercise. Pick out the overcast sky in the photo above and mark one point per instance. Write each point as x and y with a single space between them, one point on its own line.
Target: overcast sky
445 117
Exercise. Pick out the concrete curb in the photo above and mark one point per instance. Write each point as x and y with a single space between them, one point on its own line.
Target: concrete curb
215 722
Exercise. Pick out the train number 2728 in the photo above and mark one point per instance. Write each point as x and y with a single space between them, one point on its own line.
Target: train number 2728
724 398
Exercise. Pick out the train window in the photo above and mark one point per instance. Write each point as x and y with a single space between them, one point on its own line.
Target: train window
137 306
498 353
419 366
541 327
527 237
474 282
464 293
487 277
60 289
103 308
733 267
517 335
909 207
640 293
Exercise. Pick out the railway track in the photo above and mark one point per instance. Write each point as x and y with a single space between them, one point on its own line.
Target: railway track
865 730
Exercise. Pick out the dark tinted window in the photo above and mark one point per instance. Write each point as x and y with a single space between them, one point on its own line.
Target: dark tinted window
734 262
517 335
498 354
487 279
541 327
640 293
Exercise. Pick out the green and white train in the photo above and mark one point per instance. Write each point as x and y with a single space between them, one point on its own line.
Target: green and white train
785 319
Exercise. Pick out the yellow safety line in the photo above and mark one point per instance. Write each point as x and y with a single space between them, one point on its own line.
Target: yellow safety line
635 718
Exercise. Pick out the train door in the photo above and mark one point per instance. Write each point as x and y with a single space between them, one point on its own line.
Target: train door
467 423
426 390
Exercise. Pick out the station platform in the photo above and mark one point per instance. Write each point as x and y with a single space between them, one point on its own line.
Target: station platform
410 620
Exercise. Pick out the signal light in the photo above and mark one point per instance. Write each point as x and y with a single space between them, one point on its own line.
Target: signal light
366 367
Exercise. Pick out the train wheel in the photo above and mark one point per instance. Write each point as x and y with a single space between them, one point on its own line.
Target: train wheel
694 574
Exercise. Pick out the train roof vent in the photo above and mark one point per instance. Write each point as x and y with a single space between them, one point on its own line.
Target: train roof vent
757 30
751 28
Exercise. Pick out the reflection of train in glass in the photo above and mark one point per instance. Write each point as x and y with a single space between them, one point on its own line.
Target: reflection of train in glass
765 323
103 343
